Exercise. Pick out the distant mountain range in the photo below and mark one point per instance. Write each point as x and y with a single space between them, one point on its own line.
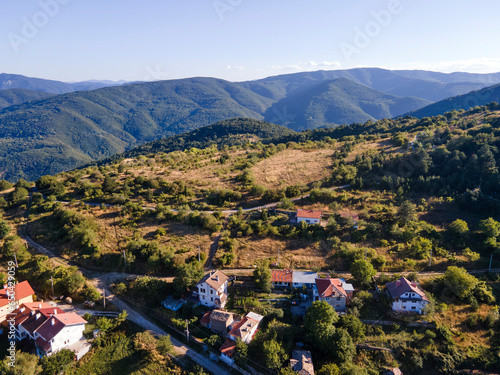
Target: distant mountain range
471 99
44 134
17 81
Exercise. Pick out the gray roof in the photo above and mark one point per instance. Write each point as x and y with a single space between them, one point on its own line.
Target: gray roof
304 277
402 286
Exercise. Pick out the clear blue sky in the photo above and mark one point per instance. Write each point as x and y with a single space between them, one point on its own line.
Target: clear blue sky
243 39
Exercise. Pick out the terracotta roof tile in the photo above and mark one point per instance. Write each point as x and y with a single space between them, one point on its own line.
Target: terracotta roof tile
309 214
21 290
284 276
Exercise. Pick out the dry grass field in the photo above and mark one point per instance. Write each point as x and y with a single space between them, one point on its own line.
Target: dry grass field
293 167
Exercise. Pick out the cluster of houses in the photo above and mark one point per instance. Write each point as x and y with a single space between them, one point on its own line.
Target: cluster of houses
336 292
211 291
39 325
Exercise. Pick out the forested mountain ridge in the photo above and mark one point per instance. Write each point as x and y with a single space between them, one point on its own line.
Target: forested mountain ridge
19 96
68 130
466 101
62 132
17 81
422 84
338 101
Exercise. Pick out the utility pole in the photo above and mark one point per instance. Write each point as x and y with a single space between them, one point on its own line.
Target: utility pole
430 258
52 282
278 256
491 261
198 253
125 260
15 258
104 298
187 331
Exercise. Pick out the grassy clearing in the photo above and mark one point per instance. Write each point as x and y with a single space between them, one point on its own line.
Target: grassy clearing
293 167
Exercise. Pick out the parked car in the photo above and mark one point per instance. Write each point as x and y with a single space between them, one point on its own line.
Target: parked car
89 303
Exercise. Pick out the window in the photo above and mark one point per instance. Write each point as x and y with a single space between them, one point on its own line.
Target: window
203 297
338 298
211 291
212 299
413 308
404 307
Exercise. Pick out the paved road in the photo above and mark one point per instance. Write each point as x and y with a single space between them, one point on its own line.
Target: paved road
101 280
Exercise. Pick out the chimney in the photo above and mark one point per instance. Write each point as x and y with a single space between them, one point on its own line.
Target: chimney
52 321
32 312
55 311
38 315
21 309
217 278
39 305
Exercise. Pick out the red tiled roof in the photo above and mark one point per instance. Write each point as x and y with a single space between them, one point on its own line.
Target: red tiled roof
403 285
228 348
329 287
21 290
284 276
21 316
69 319
309 214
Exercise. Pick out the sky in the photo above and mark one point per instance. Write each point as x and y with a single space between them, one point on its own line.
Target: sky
237 40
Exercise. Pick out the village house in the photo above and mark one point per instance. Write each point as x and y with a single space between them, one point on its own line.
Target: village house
218 321
212 289
282 278
50 329
301 362
309 216
304 279
407 296
336 292
245 331
22 293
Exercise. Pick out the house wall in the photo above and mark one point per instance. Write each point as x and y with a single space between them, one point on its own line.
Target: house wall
226 359
67 336
338 303
221 327
208 296
4 310
308 220
412 306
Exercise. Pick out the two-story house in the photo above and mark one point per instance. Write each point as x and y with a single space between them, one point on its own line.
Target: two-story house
11 299
336 292
407 296
50 329
244 331
212 289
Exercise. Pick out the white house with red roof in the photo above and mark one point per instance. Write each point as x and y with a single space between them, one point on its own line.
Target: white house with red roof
50 329
336 292
407 296
212 289
12 297
245 331
309 216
